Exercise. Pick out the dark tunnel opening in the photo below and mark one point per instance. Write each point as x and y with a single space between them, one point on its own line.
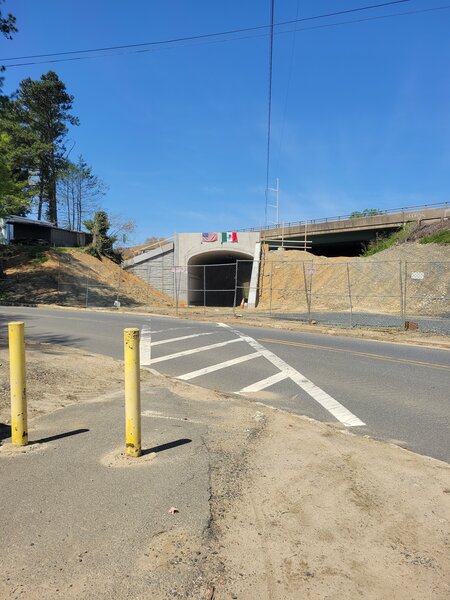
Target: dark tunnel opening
219 278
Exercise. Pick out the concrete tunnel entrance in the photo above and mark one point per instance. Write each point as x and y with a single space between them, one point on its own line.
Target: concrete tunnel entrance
219 278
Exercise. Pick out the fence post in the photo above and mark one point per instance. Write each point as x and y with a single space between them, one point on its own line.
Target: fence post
177 289
235 286
19 430
118 286
148 284
308 292
132 392
405 294
174 282
350 295
270 290
59 277
204 288
402 308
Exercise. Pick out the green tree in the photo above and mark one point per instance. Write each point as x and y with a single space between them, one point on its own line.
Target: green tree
367 212
7 28
14 199
43 106
102 242
7 24
21 148
18 159
79 192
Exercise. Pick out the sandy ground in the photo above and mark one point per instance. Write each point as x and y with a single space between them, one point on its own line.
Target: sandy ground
300 509
62 276
380 283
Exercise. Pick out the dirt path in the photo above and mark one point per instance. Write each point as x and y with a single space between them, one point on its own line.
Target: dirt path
299 509
329 515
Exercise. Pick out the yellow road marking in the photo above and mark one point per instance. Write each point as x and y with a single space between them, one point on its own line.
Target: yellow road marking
356 353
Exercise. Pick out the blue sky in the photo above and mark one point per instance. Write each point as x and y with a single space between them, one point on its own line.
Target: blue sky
360 112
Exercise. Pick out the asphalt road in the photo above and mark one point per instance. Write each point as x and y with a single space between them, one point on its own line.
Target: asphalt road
389 391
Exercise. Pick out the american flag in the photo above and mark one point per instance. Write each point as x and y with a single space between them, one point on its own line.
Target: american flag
209 237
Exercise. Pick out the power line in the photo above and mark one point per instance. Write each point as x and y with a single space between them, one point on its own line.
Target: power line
233 39
288 87
269 108
209 35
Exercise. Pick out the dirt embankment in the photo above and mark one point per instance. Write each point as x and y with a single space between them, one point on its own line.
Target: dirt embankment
379 283
73 278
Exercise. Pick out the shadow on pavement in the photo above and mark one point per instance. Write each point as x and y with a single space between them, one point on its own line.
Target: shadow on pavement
5 431
167 446
59 436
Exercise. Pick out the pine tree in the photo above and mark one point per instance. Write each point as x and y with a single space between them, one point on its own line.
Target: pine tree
44 107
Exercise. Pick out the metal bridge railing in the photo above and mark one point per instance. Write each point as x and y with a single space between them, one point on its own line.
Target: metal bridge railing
347 217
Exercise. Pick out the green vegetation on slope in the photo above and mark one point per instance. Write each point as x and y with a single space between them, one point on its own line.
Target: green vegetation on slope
384 243
442 237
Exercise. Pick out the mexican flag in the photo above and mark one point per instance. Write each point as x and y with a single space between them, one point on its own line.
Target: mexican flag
229 236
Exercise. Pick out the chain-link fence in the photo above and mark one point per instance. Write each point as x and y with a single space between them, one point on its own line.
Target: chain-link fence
358 293
354 293
63 281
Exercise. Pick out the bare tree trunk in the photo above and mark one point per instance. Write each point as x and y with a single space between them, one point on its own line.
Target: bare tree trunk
68 205
41 198
79 196
79 207
72 194
40 207
52 211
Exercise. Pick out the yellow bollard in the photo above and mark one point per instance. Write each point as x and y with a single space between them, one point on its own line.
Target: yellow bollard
19 430
132 392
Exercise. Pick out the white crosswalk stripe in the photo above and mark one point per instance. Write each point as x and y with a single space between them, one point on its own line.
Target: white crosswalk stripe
145 345
218 366
183 337
193 351
340 412
334 407
264 383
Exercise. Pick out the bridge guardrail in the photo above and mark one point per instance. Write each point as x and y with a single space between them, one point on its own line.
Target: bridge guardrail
346 217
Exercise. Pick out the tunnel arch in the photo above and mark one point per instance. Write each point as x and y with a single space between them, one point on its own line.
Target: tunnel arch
219 278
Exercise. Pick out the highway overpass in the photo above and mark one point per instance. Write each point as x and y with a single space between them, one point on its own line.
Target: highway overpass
336 236
196 272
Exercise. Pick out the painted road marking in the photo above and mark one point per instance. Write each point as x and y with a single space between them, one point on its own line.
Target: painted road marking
183 337
356 353
172 329
156 415
334 407
218 366
194 351
145 345
264 383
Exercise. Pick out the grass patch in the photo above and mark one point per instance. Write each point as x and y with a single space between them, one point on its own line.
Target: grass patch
398 237
442 237
65 249
37 254
40 260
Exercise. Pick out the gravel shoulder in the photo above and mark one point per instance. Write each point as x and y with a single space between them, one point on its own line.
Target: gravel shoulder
299 509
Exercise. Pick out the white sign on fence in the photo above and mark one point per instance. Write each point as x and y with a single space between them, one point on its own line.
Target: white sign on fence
417 275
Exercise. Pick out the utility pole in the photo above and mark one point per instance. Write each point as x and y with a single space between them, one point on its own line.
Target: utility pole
277 201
